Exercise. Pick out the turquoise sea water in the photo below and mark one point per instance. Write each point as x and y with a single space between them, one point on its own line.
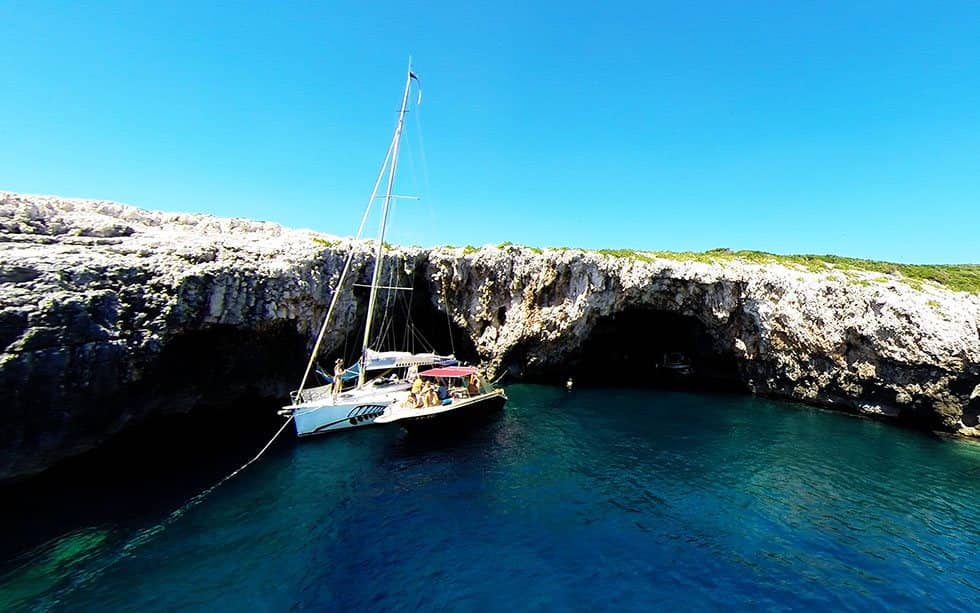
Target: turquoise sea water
627 499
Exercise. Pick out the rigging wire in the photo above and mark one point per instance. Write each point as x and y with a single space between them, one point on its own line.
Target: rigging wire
346 337
344 271
429 207
421 338
386 328
391 293
408 318
425 165
430 198
449 327
411 163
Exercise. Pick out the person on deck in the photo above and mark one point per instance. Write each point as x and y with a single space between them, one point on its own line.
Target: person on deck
431 396
442 392
473 386
338 378
417 385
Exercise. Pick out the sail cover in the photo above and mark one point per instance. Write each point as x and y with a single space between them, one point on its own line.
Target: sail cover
381 360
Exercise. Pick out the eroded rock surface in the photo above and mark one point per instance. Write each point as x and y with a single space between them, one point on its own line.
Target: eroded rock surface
110 314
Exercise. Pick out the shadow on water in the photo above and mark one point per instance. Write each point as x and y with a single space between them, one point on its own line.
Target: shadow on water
148 470
473 432
599 497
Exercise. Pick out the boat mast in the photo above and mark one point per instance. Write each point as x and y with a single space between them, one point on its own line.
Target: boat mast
384 222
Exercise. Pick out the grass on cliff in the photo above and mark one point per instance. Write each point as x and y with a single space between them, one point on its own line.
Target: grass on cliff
640 256
324 242
958 277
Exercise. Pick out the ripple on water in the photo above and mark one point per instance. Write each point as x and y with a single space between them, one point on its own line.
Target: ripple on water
596 498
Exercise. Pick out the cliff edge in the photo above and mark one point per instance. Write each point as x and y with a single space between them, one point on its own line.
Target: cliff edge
110 315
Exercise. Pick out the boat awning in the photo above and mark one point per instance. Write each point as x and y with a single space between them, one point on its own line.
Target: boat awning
451 371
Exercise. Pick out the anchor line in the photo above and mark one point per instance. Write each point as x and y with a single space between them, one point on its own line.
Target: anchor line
143 536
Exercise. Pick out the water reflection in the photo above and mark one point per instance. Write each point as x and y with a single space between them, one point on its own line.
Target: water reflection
599 497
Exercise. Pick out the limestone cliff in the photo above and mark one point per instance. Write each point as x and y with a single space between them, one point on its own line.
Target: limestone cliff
111 314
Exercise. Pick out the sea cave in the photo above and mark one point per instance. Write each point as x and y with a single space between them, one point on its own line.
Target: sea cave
651 348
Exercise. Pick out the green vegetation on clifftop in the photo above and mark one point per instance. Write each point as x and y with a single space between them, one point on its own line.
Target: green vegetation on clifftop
641 256
958 277
324 242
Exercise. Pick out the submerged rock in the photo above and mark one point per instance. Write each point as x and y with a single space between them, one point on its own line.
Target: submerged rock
111 314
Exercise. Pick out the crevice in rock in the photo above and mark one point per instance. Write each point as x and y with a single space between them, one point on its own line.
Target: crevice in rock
12 325
516 364
971 415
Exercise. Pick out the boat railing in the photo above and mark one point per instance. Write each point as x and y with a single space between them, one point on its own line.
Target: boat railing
312 394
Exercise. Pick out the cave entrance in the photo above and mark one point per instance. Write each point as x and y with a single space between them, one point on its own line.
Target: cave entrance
653 348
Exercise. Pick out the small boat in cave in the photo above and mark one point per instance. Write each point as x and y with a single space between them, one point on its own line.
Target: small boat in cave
468 397
676 364
383 378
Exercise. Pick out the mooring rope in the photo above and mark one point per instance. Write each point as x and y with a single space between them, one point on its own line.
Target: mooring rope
253 460
197 499
142 537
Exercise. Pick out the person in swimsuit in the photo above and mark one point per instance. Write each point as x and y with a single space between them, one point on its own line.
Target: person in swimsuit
338 379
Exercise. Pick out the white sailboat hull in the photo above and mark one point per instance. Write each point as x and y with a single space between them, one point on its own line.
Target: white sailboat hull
353 409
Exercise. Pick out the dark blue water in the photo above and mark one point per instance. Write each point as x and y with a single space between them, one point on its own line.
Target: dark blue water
597 498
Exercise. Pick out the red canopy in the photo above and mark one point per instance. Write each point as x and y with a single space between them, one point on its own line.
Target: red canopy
449 371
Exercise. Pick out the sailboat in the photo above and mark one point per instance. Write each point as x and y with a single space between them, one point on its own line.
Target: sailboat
383 378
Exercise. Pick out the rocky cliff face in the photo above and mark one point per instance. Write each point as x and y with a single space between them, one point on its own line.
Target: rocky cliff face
110 315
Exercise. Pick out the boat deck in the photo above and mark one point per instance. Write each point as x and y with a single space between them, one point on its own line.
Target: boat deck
397 412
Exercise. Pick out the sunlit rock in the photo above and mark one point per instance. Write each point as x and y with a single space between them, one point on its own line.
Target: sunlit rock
110 314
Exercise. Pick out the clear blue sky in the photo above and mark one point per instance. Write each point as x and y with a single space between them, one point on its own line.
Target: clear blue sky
796 127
